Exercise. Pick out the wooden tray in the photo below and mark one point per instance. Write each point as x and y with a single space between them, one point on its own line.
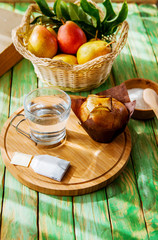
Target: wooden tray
93 165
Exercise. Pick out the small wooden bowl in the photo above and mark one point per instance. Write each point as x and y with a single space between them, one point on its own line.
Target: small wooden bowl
142 83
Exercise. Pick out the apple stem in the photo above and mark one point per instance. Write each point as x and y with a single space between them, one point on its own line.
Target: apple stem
62 21
110 43
96 35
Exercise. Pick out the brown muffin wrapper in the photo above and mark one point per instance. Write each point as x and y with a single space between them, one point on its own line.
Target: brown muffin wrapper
99 134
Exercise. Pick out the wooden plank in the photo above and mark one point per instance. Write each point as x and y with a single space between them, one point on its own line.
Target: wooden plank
140 46
149 16
143 52
21 7
144 154
91 216
124 187
5 81
119 192
20 203
55 217
6 6
19 211
123 190
126 215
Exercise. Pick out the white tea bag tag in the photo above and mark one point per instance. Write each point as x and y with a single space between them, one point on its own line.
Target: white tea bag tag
21 159
50 166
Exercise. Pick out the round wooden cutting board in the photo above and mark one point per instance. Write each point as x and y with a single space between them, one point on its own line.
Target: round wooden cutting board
92 165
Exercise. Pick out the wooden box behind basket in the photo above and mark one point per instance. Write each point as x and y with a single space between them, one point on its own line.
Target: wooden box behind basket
58 73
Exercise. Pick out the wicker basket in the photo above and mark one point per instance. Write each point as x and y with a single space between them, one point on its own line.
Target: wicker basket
68 77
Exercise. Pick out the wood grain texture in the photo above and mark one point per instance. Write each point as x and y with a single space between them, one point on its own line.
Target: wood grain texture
142 133
9 57
140 46
124 189
21 7
92 164
20 203
149 17
55 217
91 216
127 218
118 197
5 81
7 6
145 156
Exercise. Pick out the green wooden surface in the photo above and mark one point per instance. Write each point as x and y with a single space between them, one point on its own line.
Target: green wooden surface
149 16
19 203
125 209
144 156
56 217
91 216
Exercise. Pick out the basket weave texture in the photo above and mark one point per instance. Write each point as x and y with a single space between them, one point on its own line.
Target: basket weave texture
80 77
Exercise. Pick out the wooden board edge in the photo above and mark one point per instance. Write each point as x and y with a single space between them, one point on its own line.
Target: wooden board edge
9 57
83 188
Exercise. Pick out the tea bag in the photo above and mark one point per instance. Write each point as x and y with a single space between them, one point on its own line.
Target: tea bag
50 166
21 159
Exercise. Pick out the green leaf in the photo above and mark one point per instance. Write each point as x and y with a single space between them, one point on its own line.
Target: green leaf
44 20
91 10
110 14
76 13
123 13
65 10
57 9
41 19
44 8
86 16
109 27
54 6
61 10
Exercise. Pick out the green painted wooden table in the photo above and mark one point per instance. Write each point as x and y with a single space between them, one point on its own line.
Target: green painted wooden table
125 209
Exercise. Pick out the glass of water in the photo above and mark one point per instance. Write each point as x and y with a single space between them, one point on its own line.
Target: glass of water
47 110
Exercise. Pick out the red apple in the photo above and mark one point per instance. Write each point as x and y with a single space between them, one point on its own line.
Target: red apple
42 43
70 37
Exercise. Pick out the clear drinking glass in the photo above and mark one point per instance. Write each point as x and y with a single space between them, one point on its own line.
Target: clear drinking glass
47 110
